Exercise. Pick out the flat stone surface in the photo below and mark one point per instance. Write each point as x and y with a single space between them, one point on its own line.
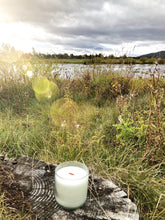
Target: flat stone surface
36 179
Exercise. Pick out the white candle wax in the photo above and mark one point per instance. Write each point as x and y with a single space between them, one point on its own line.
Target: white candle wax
71 184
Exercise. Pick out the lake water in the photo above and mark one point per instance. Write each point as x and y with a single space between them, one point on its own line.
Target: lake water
138 70
73 70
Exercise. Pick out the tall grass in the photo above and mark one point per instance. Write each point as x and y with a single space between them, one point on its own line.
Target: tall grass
117 129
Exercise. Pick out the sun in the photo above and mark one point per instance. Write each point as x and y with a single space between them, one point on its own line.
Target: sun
19 35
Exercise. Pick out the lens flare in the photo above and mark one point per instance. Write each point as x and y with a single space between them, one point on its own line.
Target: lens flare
40 85
44 89
69 110
55 112
53 89
64 112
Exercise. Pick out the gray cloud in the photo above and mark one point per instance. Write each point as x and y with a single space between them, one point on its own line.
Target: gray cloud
90 23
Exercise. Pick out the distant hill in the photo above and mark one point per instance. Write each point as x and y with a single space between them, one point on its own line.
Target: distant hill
160 54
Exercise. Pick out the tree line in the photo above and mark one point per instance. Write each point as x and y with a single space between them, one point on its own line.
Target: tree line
8 51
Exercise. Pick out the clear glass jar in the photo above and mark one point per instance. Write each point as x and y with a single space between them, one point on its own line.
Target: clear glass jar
71 184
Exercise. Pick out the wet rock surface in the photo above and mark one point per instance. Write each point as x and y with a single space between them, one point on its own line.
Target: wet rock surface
33 184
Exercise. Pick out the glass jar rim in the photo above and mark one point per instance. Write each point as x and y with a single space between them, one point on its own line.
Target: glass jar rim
72 163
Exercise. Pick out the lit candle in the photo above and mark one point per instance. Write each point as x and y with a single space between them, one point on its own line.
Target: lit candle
71 184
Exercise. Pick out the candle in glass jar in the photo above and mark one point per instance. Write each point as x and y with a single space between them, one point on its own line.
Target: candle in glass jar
71 184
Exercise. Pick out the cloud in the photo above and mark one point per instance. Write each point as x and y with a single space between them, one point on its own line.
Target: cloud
89 24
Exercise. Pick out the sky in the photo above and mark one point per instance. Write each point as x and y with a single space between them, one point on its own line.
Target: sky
131 27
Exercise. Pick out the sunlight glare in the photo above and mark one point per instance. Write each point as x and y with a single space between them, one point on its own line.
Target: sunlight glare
21 36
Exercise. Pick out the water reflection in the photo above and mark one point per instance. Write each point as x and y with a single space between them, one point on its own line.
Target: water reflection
77 70
137 70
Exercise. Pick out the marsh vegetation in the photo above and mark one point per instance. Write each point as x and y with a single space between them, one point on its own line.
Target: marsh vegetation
115 123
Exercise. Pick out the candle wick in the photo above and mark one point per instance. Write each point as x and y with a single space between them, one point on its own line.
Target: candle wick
71 174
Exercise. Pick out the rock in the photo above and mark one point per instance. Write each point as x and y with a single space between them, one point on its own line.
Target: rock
105 199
